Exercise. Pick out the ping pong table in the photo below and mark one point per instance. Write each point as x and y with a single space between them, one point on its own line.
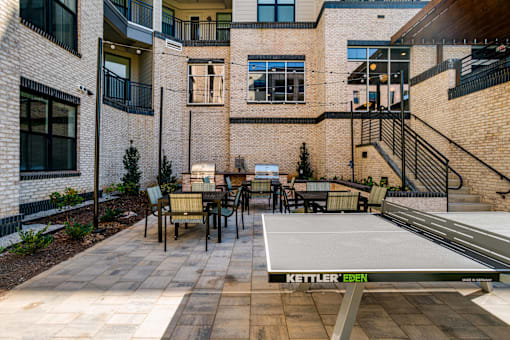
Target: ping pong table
398 245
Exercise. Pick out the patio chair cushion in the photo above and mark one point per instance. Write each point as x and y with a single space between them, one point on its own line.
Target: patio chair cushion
224 211
318 186
203 187
206 180
342 201
186 204
261 188
154 194
377 194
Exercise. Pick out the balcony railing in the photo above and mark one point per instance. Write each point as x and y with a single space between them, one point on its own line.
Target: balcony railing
195 30
129 95
135 11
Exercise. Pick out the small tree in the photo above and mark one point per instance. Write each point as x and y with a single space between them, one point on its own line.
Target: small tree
68 199
304 168
167 181
131 179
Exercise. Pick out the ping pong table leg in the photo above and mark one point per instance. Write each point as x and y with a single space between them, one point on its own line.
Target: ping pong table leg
348 311
487 287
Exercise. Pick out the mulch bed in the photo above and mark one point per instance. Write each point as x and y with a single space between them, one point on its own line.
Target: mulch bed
16 269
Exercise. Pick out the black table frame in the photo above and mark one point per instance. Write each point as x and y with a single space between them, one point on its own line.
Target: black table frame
221 195
323 198
275 184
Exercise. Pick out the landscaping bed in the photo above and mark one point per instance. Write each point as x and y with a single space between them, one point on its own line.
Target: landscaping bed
16 269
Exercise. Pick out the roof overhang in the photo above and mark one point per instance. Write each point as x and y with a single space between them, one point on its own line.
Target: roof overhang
457 22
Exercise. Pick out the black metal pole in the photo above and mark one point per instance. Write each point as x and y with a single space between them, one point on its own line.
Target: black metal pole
98 121
352 143
160 134
189 143
402 126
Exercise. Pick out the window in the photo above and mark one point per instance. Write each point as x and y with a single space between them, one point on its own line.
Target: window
205 84
168 21
117 77
374 79
56 17
276 81
48 134
275 11
223 21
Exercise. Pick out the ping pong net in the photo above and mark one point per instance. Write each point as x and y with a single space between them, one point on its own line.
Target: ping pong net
488 247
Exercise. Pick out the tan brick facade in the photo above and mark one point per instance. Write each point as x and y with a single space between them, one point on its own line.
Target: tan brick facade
478 121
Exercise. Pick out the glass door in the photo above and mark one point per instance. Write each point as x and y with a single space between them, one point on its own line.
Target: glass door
223 21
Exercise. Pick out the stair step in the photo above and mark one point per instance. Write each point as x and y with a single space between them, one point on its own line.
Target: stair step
463 198
460 207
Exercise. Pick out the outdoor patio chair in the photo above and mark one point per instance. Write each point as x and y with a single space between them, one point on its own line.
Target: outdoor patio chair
187 208
341 202
318 186
377 195
153 195
203 187
287 208
231 208
232 190
260 189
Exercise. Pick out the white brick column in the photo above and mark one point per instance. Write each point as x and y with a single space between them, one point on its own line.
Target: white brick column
157 10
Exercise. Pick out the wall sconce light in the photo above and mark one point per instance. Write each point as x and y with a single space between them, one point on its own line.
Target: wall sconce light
138 51
373 66
112 46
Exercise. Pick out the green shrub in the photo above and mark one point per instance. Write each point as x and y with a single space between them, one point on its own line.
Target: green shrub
77 231
167 188
131 179
304 167
69 198
31 241
166 172
110 215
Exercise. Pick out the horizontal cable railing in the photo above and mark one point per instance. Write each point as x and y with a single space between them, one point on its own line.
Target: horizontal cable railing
195 30
427 165
136 11
126 93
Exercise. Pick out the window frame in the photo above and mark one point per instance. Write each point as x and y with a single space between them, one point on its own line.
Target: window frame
48 20
276 5
387 60
206 77
266 72
49 135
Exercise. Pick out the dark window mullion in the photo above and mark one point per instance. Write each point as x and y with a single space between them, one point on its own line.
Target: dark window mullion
49 142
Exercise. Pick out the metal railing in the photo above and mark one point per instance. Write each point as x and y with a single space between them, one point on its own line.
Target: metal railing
461 148
428 166
195 30
485 61
126 93
136 11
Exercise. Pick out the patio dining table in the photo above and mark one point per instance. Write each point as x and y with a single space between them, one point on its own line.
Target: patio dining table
322 196
275 185
215 197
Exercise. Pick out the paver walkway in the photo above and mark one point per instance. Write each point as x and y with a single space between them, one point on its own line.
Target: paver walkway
126 287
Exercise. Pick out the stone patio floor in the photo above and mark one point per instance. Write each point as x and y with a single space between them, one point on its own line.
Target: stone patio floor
126 287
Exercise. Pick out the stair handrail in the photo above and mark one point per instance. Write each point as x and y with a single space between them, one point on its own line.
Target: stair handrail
502 176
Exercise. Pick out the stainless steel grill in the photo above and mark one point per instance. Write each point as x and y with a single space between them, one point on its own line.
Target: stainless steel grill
201 170
266 171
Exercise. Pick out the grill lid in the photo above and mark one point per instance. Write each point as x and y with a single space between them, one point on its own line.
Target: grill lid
203 168
266 171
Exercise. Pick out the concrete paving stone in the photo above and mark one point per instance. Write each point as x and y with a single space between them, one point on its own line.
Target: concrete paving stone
115 332
138 273
297 298
156 282
237 287
191 332
126 319
57 318
485 319
496 332
210 282
423 299
268 332
202 303
424 332
327 298
267 319
178 288
124 288
239 313
234 300
411 319
196 320
306 330
395 303
172 300
156 322
381 328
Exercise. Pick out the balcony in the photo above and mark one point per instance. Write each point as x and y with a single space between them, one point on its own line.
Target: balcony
187 31
135 11
126 95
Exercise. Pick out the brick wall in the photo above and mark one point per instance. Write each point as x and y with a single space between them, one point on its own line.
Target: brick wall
479 122
39 59
9 106
374 166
